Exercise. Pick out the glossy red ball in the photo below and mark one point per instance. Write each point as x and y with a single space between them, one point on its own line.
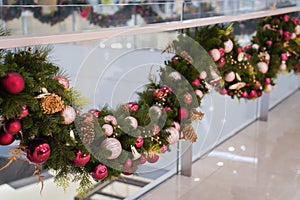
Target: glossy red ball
99 172
38 151
81 159
12 126
6 138
13 83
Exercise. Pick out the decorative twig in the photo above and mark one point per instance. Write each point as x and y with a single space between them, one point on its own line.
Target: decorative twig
37 172
16 153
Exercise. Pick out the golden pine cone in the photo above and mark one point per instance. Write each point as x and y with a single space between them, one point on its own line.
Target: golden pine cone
189 133
52 103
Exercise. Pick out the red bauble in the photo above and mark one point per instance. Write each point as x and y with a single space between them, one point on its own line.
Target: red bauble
127 165
152 159
6 138
139 141
13 83
182 113
62 80
95 112
12 126
252 94
38 151
143 159
99 172
81 159
133 106
24 112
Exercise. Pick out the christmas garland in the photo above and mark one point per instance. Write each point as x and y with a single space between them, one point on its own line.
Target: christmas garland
38 108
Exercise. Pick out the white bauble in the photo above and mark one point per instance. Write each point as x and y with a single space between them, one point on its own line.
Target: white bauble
69 114
108 129
114 146
262 67
229 76
133 121
228 46
215 54
283 67
203 75
268 88
174 135
175 75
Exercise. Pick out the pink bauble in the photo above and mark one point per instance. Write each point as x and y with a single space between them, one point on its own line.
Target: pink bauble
166 89
153 158
268 88
133 121
222 62
252 94
215 54
262 67
268 80
196 82
24 113
182 113
112 145
269 42
69 114
12 126
223 91
228 46
257 85
244 94
229 76
199 93
133 106
293 36
163 148
167 108
283 67
95 112
13 83
127 165
139 141
99 172
143 159
62 80
110 119
174 135
81 159
175 75
203 75
188 99
6 138
287 35
155 129
222 51
255 46
283 56
38 151
108 129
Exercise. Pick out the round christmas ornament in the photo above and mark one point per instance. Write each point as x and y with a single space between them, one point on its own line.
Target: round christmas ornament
155 129
257 85
99 172
228 46
153 158
196 82
255 46
163 148
158 93
177 125
127 165
252 94
262 67
95 112
199 93
166 89
188 99
62 80
229 76
12 126
284 56
110 119
215 54
268 88
283 66
6 138
182 113
143 159
38 151
155 111
203 75
113 145
13 83
175 75
24 113
297 30
133 106
222 51
244 94
81 159
139 141
222 62
69 114
223 91
267 81
174 135
108 129
133 121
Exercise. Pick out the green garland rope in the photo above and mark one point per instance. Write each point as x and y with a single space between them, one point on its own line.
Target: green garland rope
105 143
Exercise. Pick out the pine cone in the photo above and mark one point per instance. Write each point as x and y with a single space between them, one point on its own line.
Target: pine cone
52 103
196 115
189 133
85 128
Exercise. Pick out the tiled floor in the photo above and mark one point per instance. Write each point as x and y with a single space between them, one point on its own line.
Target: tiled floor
262 162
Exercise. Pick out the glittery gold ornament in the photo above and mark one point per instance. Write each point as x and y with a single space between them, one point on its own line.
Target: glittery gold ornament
186 56
196 115
52 103
189 133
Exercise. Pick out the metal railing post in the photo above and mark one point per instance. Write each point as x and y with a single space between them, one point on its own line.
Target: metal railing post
186 152
264 107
